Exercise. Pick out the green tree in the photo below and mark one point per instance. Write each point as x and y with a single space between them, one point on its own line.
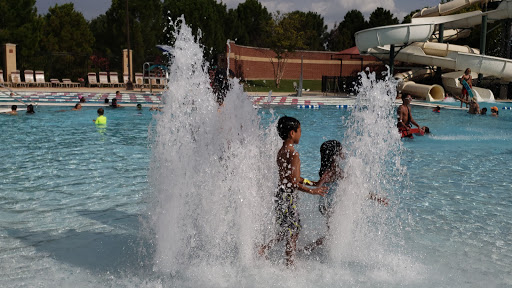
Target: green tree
381 17
205 15
67 40
313 28
342 36
247 24
285 38
408 17
146 31
20 25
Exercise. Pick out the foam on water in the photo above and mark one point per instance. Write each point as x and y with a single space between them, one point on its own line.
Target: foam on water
213 177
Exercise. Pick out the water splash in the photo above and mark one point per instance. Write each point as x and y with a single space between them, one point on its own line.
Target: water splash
212 170
213 176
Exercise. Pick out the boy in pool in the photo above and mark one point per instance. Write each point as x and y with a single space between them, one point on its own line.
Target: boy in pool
101 120
288 163
13 111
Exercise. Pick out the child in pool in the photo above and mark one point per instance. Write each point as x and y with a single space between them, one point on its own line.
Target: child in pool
330 172
288 163
101 120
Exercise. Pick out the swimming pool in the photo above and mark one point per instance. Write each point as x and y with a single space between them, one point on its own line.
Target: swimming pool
183 198
72 200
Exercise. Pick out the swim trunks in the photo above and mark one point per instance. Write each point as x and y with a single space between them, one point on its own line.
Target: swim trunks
287 215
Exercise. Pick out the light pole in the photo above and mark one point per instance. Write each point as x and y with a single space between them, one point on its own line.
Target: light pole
129 84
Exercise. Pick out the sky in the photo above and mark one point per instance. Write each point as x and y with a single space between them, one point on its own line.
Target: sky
333 11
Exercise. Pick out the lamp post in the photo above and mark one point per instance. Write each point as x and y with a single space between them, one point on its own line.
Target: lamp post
129 84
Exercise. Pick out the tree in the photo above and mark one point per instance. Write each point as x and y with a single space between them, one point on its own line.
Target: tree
205 15
313 28
285 38
67 40
146 31
381 17
20 25
247 24
343 36
408 17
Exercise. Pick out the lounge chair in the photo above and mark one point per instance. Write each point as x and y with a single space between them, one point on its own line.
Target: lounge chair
29 78
139 80
93 81
104 79
40 82
68 83
114 79
6 84
55 82
126 77
16 79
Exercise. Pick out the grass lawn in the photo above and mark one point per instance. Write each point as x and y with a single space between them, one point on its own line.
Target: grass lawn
285 86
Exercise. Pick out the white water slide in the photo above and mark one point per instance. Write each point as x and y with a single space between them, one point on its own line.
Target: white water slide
416 35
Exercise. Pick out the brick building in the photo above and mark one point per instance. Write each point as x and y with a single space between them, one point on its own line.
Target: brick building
253 63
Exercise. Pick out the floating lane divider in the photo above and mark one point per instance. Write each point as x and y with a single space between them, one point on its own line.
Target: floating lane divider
344 106
506 108
308 106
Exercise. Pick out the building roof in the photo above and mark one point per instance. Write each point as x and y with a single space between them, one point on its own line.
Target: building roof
349 51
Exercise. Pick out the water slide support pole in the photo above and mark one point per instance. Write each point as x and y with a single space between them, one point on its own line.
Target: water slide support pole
391 59
483 37
440 40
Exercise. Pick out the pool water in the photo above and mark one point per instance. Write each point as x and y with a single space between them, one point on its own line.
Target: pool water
74 201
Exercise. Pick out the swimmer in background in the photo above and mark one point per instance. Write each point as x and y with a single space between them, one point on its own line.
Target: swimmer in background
437 109
468 79
101 120
13 111
30 109
114 104
77 107
153 108
139 106
494 111
405 119
483 111
474 108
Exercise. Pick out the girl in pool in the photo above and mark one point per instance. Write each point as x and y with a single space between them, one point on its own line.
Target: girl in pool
330 172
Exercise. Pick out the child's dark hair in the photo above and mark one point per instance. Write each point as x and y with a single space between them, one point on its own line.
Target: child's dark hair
100 111
285 125
328 152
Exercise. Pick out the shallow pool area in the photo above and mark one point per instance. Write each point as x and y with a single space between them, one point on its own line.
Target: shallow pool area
74 203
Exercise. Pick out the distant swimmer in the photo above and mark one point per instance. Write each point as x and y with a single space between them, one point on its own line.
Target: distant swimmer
405 120
78 106
467 84
101 120
494 111
483 111
474 108
437 109
114 104
30 109
420 131
14 110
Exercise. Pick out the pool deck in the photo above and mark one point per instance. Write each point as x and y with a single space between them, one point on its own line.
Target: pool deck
48 96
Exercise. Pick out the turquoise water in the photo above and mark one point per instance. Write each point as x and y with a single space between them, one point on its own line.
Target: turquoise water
74 198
